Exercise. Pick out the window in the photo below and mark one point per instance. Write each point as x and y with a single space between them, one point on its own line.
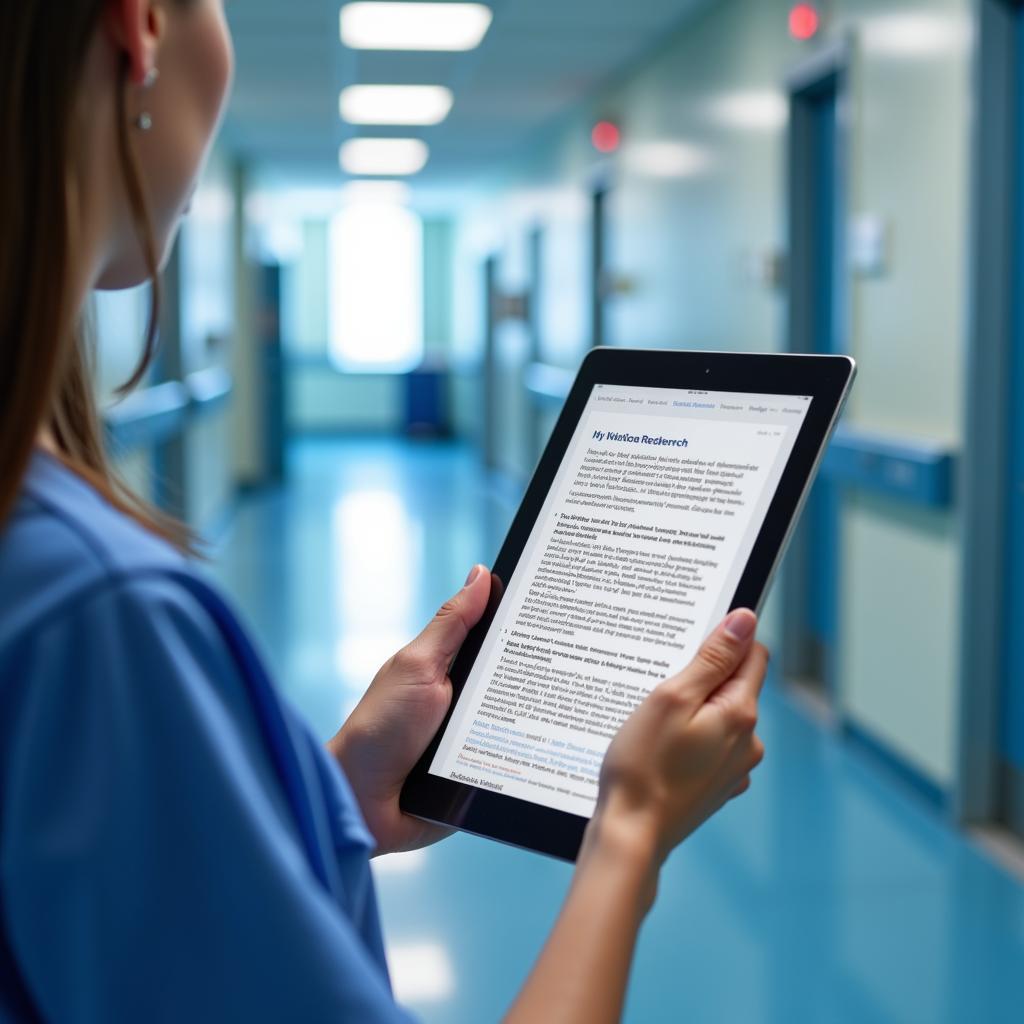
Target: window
376 287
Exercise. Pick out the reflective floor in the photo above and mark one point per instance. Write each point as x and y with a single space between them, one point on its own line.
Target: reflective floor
827 894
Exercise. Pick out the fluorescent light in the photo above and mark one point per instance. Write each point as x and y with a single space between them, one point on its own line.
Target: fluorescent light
383 156
414 26
667 159
395 104
754 110
915 34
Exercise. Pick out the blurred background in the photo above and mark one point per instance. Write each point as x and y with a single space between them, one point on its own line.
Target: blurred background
420 217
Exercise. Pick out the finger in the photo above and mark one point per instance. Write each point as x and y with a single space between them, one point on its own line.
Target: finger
741 788
447 631
743 688
719 656
761 666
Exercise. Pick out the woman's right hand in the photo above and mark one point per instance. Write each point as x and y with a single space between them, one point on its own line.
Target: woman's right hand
687 749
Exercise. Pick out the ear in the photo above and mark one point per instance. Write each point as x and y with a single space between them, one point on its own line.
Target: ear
136 28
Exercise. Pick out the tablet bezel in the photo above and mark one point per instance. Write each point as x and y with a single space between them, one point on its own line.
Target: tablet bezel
826 379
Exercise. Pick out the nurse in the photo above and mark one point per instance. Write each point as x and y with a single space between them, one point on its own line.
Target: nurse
174 843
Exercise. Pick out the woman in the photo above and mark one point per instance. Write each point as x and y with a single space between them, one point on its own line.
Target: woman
174 845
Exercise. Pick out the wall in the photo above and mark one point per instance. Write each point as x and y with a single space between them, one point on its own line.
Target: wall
208 319
902 584
119 328
323 400
697 211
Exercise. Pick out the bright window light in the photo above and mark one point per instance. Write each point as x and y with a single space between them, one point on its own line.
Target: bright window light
383 156
395 104
414 26
376 289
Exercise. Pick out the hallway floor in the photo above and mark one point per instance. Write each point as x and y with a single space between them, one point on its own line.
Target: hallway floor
827 894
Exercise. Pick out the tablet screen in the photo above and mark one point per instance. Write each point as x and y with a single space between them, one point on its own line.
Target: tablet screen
635 557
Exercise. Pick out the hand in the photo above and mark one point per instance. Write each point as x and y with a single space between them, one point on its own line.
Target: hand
398 716
687 749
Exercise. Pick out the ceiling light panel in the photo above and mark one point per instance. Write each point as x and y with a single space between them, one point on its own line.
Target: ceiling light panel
414 26
395 104
391 157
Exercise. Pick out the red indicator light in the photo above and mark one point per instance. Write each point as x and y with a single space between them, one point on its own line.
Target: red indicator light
804 21
605 137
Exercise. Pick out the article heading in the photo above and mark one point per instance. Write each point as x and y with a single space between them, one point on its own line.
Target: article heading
611 435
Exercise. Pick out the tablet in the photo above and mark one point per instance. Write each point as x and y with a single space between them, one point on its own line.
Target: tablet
664 498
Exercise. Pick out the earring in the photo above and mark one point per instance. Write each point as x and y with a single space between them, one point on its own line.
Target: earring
144 122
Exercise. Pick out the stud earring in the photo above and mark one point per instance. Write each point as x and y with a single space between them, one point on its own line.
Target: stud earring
144 122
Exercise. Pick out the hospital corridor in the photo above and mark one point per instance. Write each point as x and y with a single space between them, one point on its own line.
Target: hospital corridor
654 309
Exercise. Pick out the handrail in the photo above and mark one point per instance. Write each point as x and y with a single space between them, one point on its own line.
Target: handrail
208 389
147 417
158 413
547 384
917 471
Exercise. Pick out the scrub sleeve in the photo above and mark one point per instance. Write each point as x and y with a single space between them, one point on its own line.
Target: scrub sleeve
153 863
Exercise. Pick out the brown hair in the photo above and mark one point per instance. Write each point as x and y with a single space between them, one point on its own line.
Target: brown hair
45 356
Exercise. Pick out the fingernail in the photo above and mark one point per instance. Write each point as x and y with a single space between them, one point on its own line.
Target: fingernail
471 578
740 624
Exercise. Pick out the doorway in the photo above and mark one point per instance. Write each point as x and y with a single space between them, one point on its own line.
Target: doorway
489 391
816 219
991 741
1010 770
598 264
535 350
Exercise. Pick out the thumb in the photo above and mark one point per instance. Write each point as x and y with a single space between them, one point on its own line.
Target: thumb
447 631
719 656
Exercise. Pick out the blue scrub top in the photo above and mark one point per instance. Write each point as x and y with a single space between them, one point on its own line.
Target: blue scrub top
175 844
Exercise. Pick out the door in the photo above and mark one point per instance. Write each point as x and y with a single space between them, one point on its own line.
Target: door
535 250
1010 737
170 479
598 264
489 390
816 264
268 333
990 776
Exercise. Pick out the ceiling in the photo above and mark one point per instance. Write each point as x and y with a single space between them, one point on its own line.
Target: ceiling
539 59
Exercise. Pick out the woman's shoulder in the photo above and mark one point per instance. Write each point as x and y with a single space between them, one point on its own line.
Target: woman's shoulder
63 542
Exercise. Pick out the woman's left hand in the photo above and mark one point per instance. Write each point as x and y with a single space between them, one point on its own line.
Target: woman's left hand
391 726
